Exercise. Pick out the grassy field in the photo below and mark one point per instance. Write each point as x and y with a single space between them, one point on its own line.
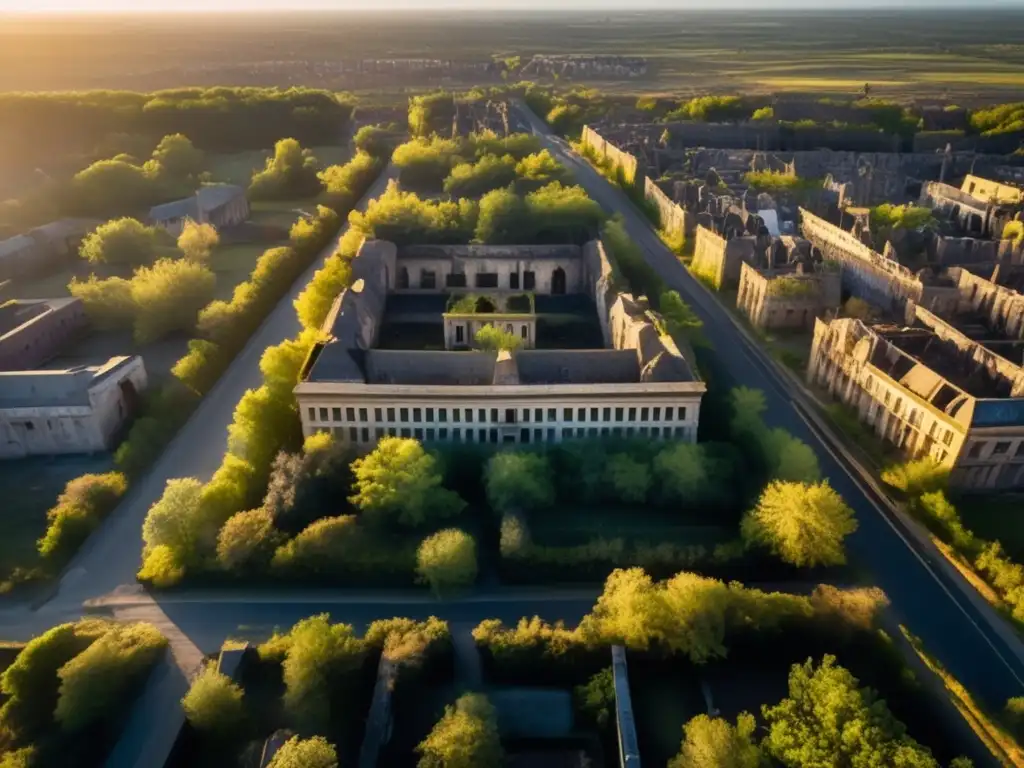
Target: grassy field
38 482
968 54
238 167
995 518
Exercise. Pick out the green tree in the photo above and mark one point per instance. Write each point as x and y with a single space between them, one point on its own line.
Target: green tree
828 720
161 567
400 481
121 241
86 500
247 541
596 699
176 158
95 682
540 169
804 524
197 241
315 752
792 459
682 473
679 316
171 521
492 338
108 303
110 186
290 173
503 218
629 478
447 560
465 737
318 654
214 703
374 141
168 297
519 482
712 742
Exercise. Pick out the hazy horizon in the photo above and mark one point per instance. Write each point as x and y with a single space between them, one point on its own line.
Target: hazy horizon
131 7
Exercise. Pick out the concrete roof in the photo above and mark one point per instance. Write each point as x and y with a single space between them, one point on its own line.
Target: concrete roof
15 244
206 198
41 389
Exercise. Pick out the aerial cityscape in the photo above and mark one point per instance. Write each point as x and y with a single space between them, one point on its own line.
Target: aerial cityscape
459 386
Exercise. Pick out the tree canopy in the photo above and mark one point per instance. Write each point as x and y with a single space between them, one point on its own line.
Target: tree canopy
121 241
466 737
804 524
447 560
400 481
519 482
713 742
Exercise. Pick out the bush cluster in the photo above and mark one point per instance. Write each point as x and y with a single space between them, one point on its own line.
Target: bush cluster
290 173
79 510
923 483
68 688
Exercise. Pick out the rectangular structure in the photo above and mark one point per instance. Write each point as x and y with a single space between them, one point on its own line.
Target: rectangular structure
633 381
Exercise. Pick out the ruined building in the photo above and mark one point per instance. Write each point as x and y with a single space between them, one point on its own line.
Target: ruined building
789 296
402 357
930 390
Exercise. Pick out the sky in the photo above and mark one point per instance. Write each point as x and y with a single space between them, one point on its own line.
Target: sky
249 6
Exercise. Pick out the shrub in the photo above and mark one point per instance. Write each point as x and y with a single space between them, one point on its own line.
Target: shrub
474 179
214 702
431 113
168 297
86 500
314 303
628 478
314 752
175 159
95 682
305 486
596 699
161 567
108 303
447 560
290 173
374 140
345 184
325 547
425 163
197 241
540 169
403 218
172 521
247 541
711 742
518 481
109 186
399 480
467 735
1014 230
30 685
121 241
711 109
804 524
918 476
318 653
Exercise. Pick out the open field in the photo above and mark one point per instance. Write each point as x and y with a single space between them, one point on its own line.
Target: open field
969 55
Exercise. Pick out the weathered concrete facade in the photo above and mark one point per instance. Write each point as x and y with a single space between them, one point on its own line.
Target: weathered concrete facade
867 274
992 191
32 332
640 384
222 205
78 410
787 297
930 391
545 269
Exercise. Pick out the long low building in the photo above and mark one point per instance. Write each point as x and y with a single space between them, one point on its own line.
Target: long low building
930 390
594 362
77 410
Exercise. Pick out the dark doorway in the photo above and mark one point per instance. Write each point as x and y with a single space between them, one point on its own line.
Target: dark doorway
513 281
558 281
485 305
529 280
403 278
486 279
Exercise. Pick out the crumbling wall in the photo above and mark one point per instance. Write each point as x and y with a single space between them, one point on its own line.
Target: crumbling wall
709 257
1002 308
674 221
865 273
607 150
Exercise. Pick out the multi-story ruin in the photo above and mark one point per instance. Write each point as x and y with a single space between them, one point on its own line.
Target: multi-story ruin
789 296
402 356
930 390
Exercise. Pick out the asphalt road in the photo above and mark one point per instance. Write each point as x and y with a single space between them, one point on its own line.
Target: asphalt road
922 597
112 555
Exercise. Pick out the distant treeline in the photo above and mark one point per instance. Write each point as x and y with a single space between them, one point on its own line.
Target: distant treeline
36 126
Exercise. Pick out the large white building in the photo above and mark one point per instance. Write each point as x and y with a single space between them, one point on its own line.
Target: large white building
399 358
